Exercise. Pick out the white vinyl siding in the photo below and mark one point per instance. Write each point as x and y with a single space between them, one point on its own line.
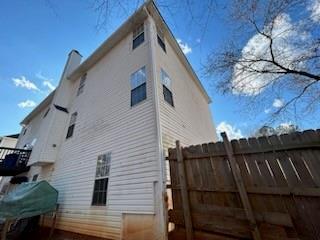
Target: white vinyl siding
107 121
190 120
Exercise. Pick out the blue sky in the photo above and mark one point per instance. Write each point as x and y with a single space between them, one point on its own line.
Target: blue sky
36 37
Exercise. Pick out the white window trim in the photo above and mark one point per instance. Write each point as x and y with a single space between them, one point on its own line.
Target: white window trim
82 83
106 176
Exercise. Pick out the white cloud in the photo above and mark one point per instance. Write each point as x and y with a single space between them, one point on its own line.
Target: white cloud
27 104
285 124
232 132
268 110
49 85
184 46
42 77
247 78
278 103
286 127
314 8
25 83
46 81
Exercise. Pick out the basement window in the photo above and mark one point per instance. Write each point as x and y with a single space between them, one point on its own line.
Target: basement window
166 87
81 84
138 86
72 124
35 177
138 36
100 188
161 42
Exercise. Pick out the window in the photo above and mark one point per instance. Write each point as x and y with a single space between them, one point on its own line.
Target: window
46 113
24 131
35 177
138 36
167 89
81 84
72 123
62 109
101 180
138 86
160 37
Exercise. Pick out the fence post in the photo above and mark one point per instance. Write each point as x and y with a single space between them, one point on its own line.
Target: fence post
184 193
240 185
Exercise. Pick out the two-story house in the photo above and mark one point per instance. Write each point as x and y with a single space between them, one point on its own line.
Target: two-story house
101 137
9 141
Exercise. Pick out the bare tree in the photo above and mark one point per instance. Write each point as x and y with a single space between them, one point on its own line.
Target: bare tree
272 60
284 128
199 12
273 56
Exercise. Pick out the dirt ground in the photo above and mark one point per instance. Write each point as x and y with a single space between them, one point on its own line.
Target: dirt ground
44 233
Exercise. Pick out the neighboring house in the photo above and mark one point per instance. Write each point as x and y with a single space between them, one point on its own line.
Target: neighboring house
101 137
9 141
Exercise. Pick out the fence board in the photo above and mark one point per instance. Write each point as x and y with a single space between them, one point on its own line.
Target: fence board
311 158
281 175
184 192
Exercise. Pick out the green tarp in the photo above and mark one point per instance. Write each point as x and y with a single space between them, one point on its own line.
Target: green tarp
28 200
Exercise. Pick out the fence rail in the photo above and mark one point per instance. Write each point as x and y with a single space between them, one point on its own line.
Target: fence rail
249 188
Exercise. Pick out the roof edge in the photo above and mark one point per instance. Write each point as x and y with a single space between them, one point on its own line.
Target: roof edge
181 55
110 42
16 135
45 102
138 16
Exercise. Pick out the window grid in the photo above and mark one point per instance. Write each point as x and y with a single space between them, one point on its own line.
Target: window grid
35 177
167 94
161 42
138 36
166 87
138 86
72 124
100 189
81 84
138 31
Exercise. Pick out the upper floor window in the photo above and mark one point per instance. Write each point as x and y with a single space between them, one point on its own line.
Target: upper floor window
161 42
81 84
167 88
72 124
138 36
46 113
24 130
138 86
100 189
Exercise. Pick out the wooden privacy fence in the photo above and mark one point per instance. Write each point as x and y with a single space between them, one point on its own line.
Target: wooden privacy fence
256 188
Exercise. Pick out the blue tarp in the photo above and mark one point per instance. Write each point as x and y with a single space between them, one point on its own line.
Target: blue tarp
28 200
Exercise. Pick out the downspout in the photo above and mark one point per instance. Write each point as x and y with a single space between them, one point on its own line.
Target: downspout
160 152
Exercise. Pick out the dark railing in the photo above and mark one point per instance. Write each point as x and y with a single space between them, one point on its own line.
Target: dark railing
13 161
